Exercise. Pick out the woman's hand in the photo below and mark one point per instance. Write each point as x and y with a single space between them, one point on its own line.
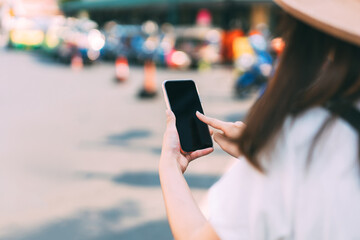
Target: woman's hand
227 135
171 153
185 218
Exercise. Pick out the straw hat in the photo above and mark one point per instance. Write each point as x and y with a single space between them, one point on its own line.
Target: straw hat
339 18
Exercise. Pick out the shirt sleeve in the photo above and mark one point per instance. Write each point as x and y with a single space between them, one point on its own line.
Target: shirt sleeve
230 198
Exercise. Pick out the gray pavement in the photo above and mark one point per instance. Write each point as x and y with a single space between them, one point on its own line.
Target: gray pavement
79 152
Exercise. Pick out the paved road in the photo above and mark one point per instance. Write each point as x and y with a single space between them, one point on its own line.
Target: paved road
79 153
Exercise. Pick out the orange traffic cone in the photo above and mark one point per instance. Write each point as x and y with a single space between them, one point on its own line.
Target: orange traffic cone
122 70
77 62
149 86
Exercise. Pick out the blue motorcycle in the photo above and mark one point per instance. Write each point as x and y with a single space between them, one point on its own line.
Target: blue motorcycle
255 69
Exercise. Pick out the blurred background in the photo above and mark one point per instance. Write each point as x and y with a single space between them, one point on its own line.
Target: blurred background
82 112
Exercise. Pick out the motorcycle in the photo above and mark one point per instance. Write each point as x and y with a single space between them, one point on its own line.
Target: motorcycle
254 65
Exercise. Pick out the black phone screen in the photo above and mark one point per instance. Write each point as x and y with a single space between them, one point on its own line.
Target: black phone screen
184 102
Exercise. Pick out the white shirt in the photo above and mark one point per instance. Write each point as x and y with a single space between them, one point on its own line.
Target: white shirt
293 201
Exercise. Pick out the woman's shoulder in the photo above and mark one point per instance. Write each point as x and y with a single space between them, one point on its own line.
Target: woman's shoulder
315 171
317 125
314 142
247 203
327 152
312 137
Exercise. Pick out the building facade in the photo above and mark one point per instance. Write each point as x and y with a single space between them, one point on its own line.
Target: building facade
226 14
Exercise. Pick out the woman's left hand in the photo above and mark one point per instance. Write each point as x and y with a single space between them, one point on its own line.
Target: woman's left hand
185 218
171 153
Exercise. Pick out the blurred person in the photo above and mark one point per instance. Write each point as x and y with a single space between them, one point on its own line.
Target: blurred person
298 173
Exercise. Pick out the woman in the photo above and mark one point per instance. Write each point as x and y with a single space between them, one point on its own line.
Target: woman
298 174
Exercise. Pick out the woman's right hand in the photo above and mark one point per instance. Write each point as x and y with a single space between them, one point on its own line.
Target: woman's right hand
227 135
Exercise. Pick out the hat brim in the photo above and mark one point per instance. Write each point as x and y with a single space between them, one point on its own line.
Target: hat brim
338 18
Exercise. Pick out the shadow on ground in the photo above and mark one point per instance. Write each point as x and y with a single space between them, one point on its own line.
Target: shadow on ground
128 139
151 179
125 138
98 225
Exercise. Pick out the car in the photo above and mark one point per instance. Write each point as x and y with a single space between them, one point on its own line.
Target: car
138 43
26 33
70 37
122 40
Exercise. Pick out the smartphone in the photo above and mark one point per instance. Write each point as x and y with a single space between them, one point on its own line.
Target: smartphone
181 97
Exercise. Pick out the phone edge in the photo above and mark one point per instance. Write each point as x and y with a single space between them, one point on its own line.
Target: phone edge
165 95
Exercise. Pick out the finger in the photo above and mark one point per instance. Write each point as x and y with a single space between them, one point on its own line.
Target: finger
171 143
213 122
234 130
223 142
170 117
199 153
170 120
219 138
171 137
239 124
211 131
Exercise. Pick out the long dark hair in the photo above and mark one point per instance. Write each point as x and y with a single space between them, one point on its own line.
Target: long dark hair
314 69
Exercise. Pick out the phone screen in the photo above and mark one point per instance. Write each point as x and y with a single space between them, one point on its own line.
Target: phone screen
184 102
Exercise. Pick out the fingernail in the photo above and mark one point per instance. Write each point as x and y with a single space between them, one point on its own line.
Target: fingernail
199 113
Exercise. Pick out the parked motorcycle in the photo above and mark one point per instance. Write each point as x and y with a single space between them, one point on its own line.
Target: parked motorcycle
254 66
